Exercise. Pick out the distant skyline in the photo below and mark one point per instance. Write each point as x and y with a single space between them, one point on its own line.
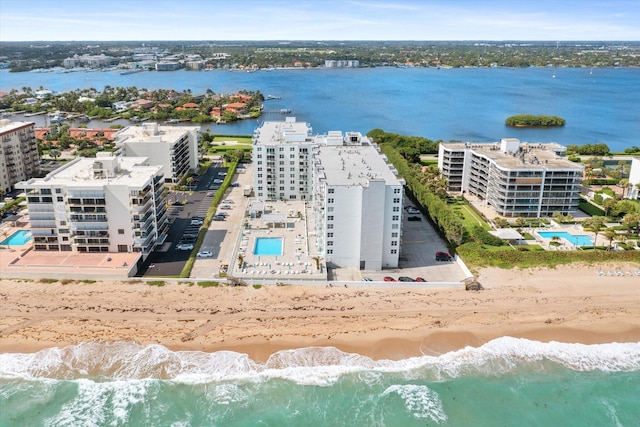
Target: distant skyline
147 20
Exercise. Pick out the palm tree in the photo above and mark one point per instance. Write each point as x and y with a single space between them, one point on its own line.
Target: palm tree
240 261
594 224
624 183
610 234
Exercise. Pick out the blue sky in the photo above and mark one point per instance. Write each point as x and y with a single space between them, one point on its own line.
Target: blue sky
29 20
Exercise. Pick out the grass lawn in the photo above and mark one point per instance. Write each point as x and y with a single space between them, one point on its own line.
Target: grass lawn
470 217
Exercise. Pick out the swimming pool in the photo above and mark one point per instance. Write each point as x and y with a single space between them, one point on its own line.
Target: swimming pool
19 238
578 240
268 246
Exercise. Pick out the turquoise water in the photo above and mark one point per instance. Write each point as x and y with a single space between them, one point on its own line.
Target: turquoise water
506 382
578 240
268 246
19 238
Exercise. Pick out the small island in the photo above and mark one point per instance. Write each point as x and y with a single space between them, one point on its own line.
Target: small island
527 120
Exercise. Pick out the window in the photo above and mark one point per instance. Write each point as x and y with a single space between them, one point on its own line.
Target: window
396 191
331 190
394 226
396 208
260 169
259 188
292 156
329 234
120 230
281 156
259 175
394 243
292 148
329 226
330 218
330 209
58 190
395 217
395 234
329 242
329 251
292 188
122 248
396 200
394 251
259 156
329 200
59 199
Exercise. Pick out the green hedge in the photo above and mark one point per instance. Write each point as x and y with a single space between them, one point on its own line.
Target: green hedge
600 181
188 266
590 209
11 204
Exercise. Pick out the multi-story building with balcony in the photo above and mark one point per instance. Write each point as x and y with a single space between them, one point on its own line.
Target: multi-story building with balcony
357 202
516 179
356 196
19 157
102 204
281 158
175 148
633 192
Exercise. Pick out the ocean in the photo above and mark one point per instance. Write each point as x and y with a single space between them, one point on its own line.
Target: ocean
600 105
506 382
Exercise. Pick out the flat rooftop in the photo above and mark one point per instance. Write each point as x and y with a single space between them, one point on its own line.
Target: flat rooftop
355 165
152 132
131 171
531 155
277 133
7 126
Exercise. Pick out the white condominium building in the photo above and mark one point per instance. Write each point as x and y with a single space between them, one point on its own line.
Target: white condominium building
356 195
633 192
102 204
175 148
18 153
281 157
516 179
357 203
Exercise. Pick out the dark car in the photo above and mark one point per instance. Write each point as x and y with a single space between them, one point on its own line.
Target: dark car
420 279
443 256
405 279
389 279
414 218
218 218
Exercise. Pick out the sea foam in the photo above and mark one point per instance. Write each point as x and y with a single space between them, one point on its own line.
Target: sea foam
307 366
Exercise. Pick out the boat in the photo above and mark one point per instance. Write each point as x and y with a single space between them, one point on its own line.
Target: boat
124 73
56 117
273 97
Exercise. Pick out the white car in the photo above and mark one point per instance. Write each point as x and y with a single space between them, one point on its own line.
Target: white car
228 201
225 207
196 222
184 247
205 254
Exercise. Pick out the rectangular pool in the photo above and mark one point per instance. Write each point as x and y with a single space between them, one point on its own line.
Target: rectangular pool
578 240
268 246
19 238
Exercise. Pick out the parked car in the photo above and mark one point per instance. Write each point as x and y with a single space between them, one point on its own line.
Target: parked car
218 218
367 279
420 279
443 256
201 218
224 214
196 222
177 203
217 181
414 218
412 210
235 184
211 193
205 254
226 207
389 279
405 279
228 201
184 247
222 174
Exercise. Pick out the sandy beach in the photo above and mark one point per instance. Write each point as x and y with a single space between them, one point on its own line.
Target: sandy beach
567 304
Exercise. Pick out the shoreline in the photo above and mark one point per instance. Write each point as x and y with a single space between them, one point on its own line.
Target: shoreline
567 304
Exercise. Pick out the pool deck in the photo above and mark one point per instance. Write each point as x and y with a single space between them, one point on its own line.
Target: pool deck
297 258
